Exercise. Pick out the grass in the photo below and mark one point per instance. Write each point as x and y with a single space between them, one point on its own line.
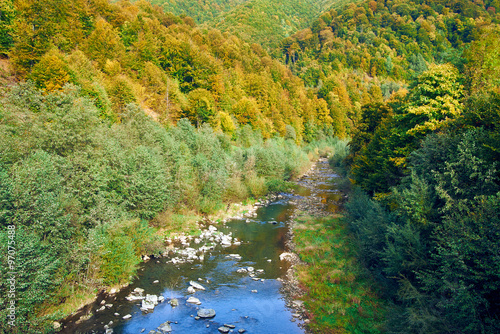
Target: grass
171 224
340 294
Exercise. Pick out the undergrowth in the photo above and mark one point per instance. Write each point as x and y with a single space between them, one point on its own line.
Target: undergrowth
340 294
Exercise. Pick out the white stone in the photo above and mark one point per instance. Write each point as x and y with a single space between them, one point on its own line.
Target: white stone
193 300
196 285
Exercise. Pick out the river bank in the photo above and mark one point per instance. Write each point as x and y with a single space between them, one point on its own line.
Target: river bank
327 282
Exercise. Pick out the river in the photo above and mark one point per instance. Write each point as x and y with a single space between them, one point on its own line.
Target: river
252 301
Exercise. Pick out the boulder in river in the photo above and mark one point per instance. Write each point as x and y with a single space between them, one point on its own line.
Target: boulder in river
149 302
165 328
223 329
286 256
174 302
193 300
206 313
137 294
191 289
196 285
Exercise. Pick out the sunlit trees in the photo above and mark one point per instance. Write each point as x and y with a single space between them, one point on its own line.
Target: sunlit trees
104 43
52 72
7 16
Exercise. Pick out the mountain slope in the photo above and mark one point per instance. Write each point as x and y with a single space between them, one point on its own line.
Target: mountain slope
200 10
256 21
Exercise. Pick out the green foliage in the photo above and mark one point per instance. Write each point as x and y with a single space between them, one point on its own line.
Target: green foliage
385 138
441 238
340 295
7 16
39 270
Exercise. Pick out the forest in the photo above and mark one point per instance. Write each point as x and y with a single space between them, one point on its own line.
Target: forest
122 123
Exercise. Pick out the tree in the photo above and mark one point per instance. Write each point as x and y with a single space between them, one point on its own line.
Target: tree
7 15
201 106
51 73
434 100
104 43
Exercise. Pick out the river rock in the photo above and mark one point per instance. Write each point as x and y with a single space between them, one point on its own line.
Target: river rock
196 285
191 289
291 257
241 330
174 302
223 329
165 328
149 302
250 269
206 313
226 241
193 300
128 316
137 294
229 326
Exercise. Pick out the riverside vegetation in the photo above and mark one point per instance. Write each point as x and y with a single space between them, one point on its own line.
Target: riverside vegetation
120 121
89 197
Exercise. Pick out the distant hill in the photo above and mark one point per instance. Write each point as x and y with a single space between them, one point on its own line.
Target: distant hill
200 10
265 22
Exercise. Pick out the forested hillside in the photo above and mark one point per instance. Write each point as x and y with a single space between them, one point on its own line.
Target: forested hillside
200 11
121 124
122 53
424 151
265 22
364 52
268 22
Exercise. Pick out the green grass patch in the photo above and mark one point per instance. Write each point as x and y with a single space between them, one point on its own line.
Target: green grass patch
340 294
171 224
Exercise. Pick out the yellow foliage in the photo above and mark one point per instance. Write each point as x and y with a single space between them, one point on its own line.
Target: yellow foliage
226 123
51 73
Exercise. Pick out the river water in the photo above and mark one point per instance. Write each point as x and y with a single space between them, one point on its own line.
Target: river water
255 304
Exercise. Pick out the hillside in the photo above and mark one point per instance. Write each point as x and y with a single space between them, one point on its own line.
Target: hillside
420 83
122 53
200 11
265 22
268 22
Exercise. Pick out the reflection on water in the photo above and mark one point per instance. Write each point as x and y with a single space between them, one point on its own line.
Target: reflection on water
228 292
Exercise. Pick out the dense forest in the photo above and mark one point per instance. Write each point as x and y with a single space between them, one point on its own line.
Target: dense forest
122 122
426 213
255 21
